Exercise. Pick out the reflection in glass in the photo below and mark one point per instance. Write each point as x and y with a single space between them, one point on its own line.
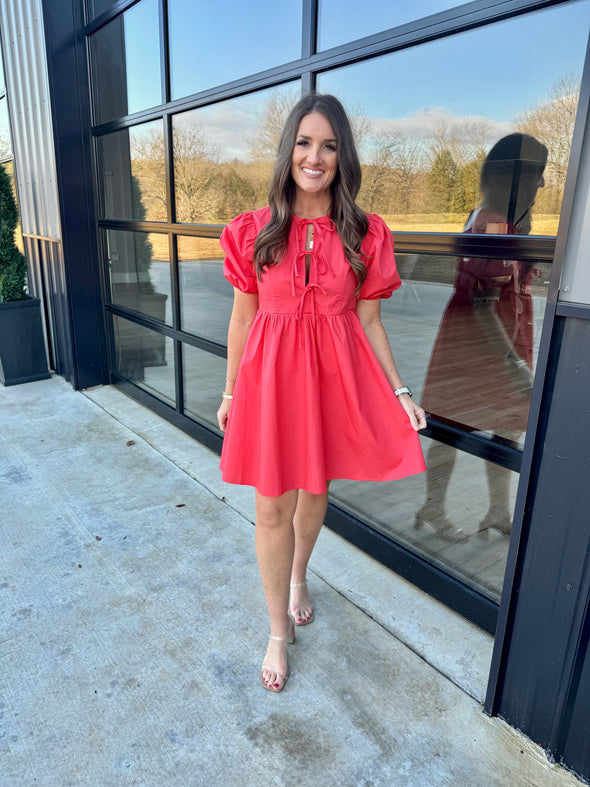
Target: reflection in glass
202 374
2 78
146 358
214 43
340 21
426 116
139 273
481 368
224 154
18 236
5 141
132 172
205 297
392 508
451 356
126 63
480 371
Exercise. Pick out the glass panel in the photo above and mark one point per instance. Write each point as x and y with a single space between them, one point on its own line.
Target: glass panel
132 173
455 493
139 272
5 140
2 79
425 121
204 375
214 43
146 358
468 353
340 21
206 298
224 154
18 236
126 63
96 7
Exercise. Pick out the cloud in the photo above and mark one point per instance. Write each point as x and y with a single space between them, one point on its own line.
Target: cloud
228 124
427 120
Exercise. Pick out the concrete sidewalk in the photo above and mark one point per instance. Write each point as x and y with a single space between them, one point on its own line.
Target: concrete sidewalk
132 628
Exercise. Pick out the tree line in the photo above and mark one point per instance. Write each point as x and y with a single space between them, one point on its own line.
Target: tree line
402 173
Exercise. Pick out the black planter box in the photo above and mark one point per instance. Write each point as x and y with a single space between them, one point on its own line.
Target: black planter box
22 350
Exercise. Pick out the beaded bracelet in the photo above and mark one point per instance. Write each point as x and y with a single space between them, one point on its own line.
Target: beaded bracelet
227 396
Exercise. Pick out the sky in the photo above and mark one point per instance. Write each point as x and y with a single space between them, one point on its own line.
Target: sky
494 72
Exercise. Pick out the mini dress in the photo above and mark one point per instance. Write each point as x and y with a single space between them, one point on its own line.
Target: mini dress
468 380
310 401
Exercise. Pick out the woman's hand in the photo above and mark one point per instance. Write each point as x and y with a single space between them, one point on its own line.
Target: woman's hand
223 414
414 412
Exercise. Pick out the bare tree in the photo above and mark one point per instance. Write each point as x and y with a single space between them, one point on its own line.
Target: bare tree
376 172
390 171
475 135
552 123
264 142
5 145
196 171
147 167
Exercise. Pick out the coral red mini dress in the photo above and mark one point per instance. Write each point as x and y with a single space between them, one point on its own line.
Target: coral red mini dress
310 401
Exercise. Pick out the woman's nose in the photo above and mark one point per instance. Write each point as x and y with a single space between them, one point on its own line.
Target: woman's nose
313 154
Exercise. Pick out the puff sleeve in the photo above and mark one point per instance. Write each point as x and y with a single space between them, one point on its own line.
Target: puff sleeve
377 252
237 241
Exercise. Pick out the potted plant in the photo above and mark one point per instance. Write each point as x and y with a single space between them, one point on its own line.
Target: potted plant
22 348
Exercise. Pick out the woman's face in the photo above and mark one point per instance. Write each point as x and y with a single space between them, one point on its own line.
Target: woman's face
315 155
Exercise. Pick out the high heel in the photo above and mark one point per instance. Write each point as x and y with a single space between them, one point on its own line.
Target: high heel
296 613
442 527
489 522
275 686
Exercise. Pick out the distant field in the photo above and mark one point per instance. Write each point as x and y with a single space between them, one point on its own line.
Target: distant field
454 222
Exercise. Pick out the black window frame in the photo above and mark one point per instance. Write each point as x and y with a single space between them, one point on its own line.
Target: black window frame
463 598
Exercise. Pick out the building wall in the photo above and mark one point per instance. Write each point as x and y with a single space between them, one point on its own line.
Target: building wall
540 677
91 237
45 90
25 65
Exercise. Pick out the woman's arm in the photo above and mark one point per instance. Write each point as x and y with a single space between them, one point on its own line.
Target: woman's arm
369 313
242 316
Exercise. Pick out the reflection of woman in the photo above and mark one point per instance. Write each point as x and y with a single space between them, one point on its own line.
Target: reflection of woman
480 373
311 377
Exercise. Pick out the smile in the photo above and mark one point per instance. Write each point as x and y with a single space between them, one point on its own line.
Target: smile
312 171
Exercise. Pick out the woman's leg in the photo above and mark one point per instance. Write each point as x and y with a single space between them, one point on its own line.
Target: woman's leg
275 543
308 520
439 463
499 513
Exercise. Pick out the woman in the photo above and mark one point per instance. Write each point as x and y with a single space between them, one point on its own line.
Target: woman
310 374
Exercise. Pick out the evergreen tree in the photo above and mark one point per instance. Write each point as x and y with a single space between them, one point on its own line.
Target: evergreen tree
237 196
441 179
143 248
13 267
466 194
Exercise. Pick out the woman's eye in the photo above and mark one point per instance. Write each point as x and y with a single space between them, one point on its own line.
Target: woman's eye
302 142
331 147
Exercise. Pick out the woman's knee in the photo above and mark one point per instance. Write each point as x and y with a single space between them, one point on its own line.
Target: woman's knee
312 502
275 512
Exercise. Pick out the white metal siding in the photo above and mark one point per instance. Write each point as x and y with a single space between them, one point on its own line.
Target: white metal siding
575 280
25 63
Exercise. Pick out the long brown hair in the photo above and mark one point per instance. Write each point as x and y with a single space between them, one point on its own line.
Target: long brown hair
350 221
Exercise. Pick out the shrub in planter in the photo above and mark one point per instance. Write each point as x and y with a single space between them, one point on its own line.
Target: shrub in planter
22 349
13 267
